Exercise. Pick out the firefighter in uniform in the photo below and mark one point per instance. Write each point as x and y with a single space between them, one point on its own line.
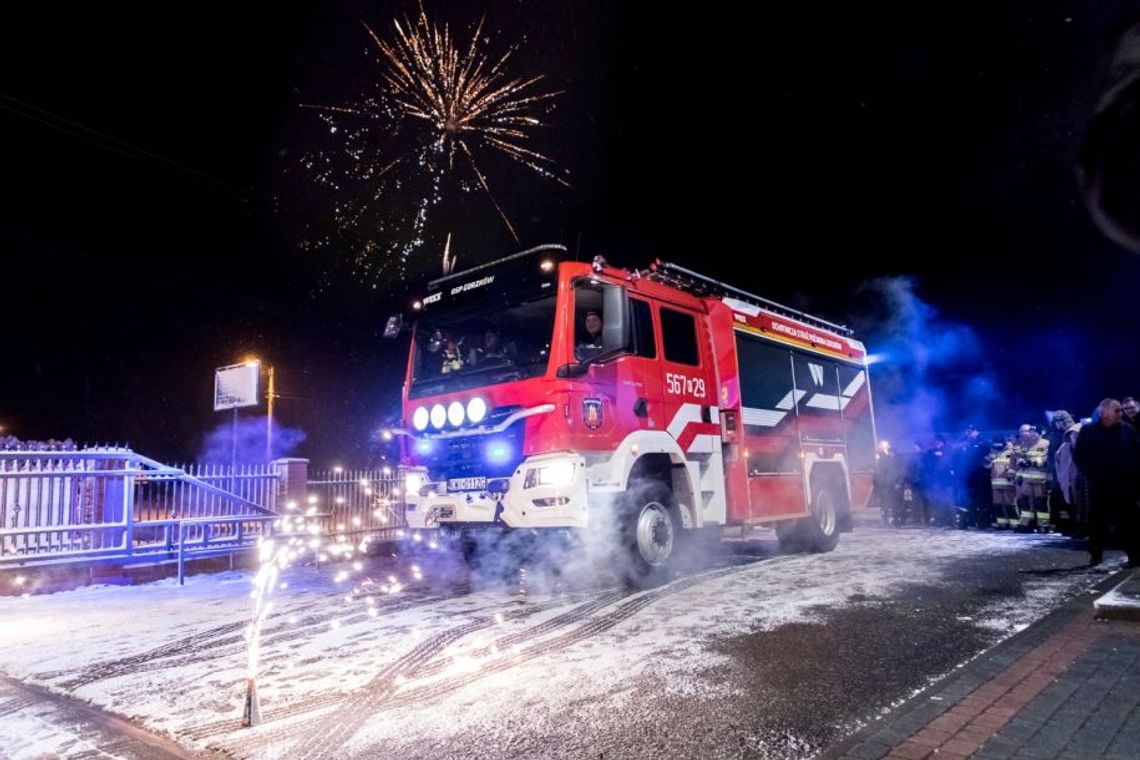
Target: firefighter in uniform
1029 465
1002 487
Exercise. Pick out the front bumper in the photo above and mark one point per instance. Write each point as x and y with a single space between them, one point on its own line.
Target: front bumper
562 505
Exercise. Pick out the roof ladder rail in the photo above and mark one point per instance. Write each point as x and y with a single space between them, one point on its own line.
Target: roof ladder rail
697 283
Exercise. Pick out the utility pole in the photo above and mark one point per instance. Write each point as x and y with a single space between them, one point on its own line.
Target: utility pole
269 419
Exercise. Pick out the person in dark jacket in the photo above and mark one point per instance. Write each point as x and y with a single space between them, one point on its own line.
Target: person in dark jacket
938 482
887 484
973 472
1131 411
1108 454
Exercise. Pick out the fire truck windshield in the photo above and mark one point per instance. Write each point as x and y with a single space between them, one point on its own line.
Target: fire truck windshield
470 348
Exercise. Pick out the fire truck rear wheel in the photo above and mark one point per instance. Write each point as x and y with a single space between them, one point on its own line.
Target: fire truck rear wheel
820 531
651 534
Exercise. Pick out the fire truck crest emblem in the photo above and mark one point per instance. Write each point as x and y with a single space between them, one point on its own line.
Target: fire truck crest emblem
592 413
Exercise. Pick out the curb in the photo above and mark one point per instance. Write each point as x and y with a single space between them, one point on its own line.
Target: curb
886 732
1122 602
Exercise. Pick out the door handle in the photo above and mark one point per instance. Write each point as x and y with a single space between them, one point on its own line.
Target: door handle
641 407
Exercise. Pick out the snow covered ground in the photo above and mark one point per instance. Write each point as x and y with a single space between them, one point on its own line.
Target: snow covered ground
350 669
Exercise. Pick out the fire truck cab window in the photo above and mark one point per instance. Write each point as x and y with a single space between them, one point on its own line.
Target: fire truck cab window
589 316
679 336
644 342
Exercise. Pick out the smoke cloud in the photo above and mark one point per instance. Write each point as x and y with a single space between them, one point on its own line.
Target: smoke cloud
929 372
218 444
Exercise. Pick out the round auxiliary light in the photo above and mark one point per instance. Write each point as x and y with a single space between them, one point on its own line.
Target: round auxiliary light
455 413
420 418
438 416
476 410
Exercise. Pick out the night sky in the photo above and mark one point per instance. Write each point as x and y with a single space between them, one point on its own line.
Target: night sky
155 207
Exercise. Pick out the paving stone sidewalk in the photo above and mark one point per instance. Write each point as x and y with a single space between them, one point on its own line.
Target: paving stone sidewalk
1067 687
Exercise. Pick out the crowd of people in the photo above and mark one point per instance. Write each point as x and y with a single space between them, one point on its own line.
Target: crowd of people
1081 478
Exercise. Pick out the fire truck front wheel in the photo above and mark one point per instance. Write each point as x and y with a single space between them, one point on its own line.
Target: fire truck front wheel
493 552
650 528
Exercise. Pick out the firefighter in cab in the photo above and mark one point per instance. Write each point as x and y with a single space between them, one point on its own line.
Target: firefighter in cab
589 342
1029 467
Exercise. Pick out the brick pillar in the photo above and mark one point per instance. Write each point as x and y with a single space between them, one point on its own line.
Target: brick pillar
293 481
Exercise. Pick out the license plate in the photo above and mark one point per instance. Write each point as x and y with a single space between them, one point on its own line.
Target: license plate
466 484
908 495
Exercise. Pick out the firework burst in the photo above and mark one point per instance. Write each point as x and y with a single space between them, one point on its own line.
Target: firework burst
440 109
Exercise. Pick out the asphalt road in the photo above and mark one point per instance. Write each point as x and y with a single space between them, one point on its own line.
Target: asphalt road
749 652
790 691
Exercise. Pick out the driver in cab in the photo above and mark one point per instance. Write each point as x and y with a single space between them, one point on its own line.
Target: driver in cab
589 342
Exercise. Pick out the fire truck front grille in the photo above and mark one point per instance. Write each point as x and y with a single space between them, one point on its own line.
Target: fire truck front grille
491 455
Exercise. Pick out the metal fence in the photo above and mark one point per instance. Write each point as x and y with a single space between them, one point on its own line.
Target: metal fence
354 502
116 505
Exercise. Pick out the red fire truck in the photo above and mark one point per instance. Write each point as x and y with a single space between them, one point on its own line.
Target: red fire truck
546 394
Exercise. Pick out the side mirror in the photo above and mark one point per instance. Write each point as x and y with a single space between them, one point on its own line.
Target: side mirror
616 328
394 326
574 369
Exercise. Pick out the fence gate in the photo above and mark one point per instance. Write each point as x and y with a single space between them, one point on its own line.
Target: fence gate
354 502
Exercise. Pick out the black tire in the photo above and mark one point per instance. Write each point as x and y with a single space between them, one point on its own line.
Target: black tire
820 531
495 553
788 534
470 549
650 535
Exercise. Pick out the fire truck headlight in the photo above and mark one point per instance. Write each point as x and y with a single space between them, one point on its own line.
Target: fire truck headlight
558 475
420 418
476 410
455 413
438 416
412 482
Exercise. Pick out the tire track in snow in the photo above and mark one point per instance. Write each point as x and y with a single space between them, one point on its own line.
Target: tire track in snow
377 688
